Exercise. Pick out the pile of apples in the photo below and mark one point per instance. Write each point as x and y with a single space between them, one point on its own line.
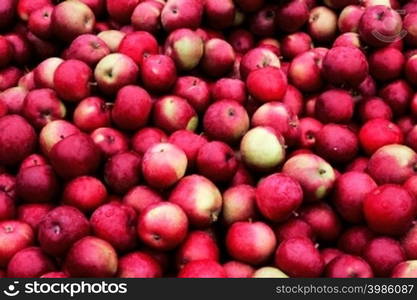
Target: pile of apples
208 138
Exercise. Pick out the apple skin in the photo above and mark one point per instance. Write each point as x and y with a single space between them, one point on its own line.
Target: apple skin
147 137
305 71
294 228
185 47
27 81
309 128
85 193
314 174
322 24
110 141
8 185
91 257
162 226
141 196
115 223
243 242
298 257
32 214
397 94
406 269
75 156
349 18
147 16
123 171
121 11
229 88
195 90
386 64
250 5
262 148
409 243
158 73
392 222
26 7
6 51
287 196
44 73
295 44
392 164
257 58
218 58
69 87
348 266
410 70
280 117
115 71
327 110
7 13
37 184
55 275
374 108
172 113
323 220
291 16
60 228
138 45
345 66
350 191
383 254
199 198
42 106
189 142
377 133
132 108
112 38
15 236
199 245
21 46
92 113
239 204
263 22
88 48
226 121
219 15
329 254
336 143
235 269
241 40
409 26
269 272
54 132
9 77
267 84
7 207
30 262
17 139
202 269
373 28
71 19
348 39
178 14
40 22
171 162
354 240
138 264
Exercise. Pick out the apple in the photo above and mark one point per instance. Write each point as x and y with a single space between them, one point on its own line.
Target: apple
8 185
409 27
60 228
305 71
27 81
298 257
110 141
143 139
386 64
123 171
9 77
239 204
267 84
72 18
374 108
6 51
397 94
75 155
291 16
377 133
55 275
406 269
132 108
229 88
15 236
349 18
141 196
158 73
115 223
250 5
178 14
54 132
88 48
348 266
185 47
258 58
294 228
350 191
21 48
219 15
263 22
348 39
138 264
112 38
91 114
409 242
26 7
42 106
269 272
7 207
44 73
383 254
199 198
309 128
91 257
172 113
85 193
195 90
147 16
235 269
241 40
162 226
380 25
355 239
30 262
17 139
278 196
115 71
315 175
7 13
121 11
226 120
202 269
40 22
218 57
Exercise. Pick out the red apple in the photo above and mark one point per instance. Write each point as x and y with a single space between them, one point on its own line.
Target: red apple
141 196
202 269
348 266
218 57
355 239
30 262
138 265
195 90
158 73
147 137
123 171
110 141
178 14
239 204
267 84
121 10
